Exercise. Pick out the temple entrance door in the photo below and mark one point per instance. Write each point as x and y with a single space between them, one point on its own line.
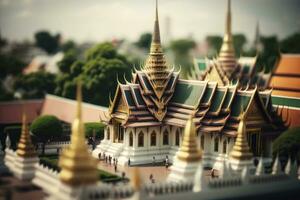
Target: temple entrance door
254 141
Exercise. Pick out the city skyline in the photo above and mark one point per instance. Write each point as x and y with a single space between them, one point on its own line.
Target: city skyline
105 20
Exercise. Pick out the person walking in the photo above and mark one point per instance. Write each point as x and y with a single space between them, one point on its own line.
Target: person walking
128 162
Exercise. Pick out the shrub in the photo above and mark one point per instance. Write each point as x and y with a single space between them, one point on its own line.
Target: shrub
96 127
45 128
288 144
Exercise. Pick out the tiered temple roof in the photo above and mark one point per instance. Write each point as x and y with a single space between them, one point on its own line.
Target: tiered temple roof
227 68
216 108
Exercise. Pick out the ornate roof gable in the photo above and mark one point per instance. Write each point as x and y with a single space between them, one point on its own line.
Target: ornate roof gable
156 79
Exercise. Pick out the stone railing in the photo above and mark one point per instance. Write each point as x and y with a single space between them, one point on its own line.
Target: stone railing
46 178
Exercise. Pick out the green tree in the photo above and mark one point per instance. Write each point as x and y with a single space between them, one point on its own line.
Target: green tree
99 69
68 45
291 44
270 52
182 53
35 85
10 65
45 128
239 41
69 58
94 129
288 144
214 42
46 41
144 41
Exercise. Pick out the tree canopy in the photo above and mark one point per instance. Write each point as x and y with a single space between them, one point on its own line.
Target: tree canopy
99 70
35 85
46 127
144 41
47 42
182 52
288 144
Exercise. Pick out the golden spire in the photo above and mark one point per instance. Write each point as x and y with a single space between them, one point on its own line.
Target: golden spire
78 167
189 150
227 55
156 67
25 146
241 150
136 180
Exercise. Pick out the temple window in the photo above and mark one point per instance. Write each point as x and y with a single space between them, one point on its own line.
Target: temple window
165 138
153 139
131 139
108 133
202 142
141 139
216 144
120 133
177 136
224 146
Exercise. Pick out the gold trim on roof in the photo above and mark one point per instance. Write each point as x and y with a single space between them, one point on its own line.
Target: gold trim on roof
25 147
189 150
241 150
78 167
157 71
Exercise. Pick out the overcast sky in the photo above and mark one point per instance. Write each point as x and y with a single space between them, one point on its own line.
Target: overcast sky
97 20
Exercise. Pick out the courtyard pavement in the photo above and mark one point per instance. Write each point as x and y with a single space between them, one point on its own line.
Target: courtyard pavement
159 171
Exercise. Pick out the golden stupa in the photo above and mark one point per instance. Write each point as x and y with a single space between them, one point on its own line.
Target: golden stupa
241 150
156 67
227 54
25 147
78 167
189 150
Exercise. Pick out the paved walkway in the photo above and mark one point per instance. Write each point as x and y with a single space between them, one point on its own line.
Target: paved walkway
159 172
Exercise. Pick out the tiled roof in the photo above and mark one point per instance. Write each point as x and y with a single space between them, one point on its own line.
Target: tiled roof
64 109
285 79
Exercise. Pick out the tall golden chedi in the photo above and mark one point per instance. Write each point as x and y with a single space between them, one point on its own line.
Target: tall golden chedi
78 167
227 55
241 155
157 71
26 156
188 158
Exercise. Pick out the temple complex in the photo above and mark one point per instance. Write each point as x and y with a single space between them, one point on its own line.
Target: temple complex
147 116
227 68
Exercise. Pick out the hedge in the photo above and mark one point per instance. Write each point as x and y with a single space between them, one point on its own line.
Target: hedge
288 144
96 127
51 161
14 133
46 127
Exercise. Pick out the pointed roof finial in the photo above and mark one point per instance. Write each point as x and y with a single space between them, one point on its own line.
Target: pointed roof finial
156 32
228 18
227 54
